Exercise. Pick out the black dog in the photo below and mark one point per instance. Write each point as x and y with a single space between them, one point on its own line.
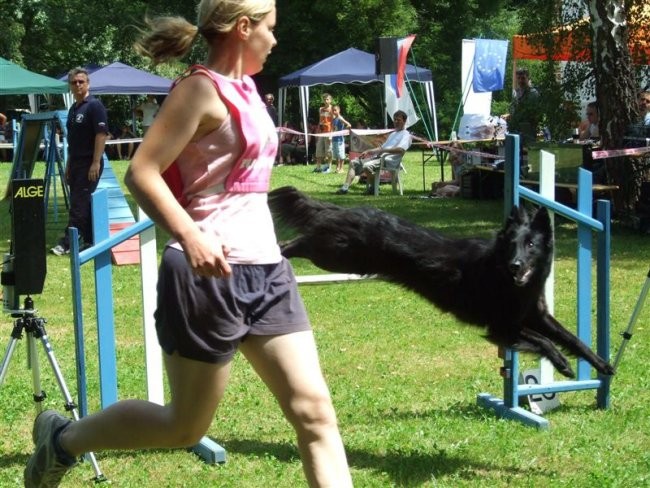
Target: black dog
497 283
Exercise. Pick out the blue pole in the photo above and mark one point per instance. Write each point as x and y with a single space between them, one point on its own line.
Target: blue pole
584 202
510 199
77 314
104 300
603 213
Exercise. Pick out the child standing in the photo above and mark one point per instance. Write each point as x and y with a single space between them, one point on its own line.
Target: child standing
324 144
338 142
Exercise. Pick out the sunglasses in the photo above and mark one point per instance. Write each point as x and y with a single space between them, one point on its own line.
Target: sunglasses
77 82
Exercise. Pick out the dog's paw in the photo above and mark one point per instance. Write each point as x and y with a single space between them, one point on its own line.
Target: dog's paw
606 369
562 364
566 370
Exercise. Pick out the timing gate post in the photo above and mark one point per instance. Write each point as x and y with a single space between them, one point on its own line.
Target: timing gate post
100 255
513 192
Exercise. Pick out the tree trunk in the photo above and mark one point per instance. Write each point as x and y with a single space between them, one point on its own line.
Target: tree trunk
615 92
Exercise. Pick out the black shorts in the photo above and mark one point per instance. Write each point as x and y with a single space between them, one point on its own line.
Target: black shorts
205 319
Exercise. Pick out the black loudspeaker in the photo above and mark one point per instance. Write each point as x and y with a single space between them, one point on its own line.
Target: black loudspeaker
28 235
386 56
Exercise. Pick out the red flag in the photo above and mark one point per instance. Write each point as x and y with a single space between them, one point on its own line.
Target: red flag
403 46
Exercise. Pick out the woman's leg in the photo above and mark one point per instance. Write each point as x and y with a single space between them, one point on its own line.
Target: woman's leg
196 390
288 365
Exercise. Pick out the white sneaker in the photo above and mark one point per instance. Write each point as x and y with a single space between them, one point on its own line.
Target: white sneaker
59 250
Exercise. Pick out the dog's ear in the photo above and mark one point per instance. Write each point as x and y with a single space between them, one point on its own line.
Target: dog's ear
513 221
517 216
541 221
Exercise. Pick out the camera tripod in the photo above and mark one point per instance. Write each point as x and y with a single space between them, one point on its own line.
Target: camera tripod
34 328
627 335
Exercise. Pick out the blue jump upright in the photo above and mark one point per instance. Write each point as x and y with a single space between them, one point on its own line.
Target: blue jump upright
508 407
100 255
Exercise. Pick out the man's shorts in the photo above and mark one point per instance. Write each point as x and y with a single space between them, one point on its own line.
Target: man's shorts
205 319
368 165
323 147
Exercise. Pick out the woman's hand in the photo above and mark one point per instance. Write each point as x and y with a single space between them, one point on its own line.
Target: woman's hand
207 257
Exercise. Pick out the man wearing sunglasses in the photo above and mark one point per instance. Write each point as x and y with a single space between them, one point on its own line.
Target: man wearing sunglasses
87 128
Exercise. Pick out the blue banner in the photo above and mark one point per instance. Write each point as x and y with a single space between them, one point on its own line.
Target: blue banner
489 64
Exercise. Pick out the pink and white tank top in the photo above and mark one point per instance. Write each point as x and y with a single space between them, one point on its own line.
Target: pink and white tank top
225 175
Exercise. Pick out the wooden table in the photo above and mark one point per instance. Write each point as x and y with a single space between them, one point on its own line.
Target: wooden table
569 189
442 154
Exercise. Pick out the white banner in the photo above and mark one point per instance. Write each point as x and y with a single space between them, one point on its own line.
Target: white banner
473 103
404 103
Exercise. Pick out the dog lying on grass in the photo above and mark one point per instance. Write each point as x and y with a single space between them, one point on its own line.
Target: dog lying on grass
494 283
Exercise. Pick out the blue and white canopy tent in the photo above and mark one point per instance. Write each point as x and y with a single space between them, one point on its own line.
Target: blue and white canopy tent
121 79
349 66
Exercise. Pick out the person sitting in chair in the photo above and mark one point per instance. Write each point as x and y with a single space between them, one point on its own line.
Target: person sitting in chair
644 107
392 151
588 129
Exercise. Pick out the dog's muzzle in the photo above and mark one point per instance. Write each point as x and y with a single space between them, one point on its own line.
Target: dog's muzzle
520 273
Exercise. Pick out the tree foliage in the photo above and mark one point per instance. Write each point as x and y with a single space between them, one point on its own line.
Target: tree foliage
599 32
51 36
616 91
308 31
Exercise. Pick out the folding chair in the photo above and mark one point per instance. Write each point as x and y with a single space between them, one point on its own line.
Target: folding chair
390 167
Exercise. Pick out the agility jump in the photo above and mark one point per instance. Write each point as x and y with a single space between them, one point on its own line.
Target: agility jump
100 255
513 193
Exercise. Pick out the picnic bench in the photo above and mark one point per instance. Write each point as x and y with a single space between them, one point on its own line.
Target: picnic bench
486 180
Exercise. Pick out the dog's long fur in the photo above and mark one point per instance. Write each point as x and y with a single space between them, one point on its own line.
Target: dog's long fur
497 283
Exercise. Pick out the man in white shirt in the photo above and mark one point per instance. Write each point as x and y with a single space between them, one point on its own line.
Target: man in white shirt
392 151
147 111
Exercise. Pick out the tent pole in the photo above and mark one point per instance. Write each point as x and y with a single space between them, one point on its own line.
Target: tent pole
464 95
132 107
383 101
281 95
304 106
432 107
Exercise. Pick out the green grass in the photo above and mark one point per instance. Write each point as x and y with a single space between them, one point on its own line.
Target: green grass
404 377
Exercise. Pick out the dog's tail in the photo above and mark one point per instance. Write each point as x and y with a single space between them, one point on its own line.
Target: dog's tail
294 208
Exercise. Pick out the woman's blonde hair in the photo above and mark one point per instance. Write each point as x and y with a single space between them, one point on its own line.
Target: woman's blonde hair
172 37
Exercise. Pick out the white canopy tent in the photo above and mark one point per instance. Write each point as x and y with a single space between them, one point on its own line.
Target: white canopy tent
349 66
